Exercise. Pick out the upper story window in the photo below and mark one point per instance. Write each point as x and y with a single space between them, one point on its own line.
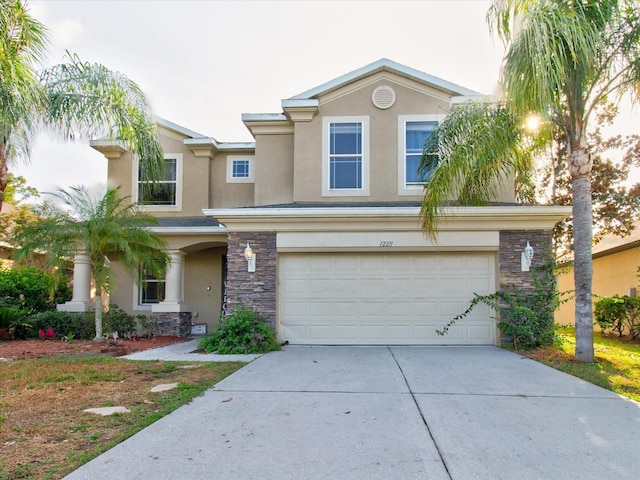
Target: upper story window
164 194
413 131
240 169
345 156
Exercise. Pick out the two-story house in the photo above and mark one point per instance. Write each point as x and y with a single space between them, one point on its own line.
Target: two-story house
325 204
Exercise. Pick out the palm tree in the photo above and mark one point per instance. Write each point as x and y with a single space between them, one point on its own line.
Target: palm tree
104 229
564 58
76 99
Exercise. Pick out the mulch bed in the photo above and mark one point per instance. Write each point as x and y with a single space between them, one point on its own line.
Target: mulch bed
22 349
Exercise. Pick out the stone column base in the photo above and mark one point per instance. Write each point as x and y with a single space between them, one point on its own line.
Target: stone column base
176 324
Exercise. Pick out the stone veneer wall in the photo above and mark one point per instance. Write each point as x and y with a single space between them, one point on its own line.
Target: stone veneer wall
173 324
512 243
257 289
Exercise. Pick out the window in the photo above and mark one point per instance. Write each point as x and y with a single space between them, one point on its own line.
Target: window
346 162
345 155
240 169
416 133
413 131
151 289
164 193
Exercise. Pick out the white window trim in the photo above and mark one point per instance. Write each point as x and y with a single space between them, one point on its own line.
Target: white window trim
250 178
403 188
161 208
137 306
345 192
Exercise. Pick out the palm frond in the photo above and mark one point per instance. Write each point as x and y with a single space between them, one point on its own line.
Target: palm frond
90 100
105 229
470 156
23 41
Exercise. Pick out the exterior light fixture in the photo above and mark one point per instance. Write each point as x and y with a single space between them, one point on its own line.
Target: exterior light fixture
251 258
526 257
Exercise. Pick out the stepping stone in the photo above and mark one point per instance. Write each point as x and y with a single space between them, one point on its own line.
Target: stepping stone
104 411
164 387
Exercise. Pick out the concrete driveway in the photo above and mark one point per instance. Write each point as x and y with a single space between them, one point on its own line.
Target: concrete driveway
388 413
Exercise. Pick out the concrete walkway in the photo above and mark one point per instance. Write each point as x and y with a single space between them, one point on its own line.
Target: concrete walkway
387 413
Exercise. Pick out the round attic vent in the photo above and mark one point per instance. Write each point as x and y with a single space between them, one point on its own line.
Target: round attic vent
383 97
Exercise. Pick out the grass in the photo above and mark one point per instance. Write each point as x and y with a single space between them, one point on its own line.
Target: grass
617 365
44 432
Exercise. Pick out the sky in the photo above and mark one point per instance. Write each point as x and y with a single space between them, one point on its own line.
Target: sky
202 64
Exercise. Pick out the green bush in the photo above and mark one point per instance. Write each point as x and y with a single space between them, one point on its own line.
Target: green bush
148 324
14 323
32 289
619 314
525 315
65 324
117 320
243 331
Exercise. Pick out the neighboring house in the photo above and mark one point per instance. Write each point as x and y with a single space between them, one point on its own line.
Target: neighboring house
615 271
328 200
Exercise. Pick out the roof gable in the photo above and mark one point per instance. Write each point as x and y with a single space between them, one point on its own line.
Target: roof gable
385 65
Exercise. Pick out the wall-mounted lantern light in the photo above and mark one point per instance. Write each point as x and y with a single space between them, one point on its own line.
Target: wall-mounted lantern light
251 259
526 257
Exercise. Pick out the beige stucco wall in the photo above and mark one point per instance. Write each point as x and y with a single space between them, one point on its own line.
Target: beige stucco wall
615 273
223 194
274 169
411 99
195 177
201 269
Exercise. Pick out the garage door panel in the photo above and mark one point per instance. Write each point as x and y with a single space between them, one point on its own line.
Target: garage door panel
377 333
479 333
372 287
399 286
351 308
426 263
372 298
400 333
373 309
345 332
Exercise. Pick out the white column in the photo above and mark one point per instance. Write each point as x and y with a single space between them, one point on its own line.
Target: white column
81 301
173 300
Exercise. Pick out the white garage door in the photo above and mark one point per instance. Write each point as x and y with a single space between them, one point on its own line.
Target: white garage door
378 299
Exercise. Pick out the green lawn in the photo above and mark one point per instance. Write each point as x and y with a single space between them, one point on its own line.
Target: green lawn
617 365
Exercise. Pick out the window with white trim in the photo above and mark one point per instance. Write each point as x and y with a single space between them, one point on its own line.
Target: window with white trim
346 156
240 169
151 290
413 131
164 193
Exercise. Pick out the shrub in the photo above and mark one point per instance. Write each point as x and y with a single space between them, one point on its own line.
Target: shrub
32 289
525 315
619 314
147 324
117 320
14 322
243 331
65 324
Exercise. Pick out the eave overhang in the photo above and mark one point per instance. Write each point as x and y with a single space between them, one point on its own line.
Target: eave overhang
267 123
329 219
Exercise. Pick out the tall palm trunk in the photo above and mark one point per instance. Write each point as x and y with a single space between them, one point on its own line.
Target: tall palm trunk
98 316
4 171
580 170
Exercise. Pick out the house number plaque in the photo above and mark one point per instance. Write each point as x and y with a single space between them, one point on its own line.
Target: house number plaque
386 243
